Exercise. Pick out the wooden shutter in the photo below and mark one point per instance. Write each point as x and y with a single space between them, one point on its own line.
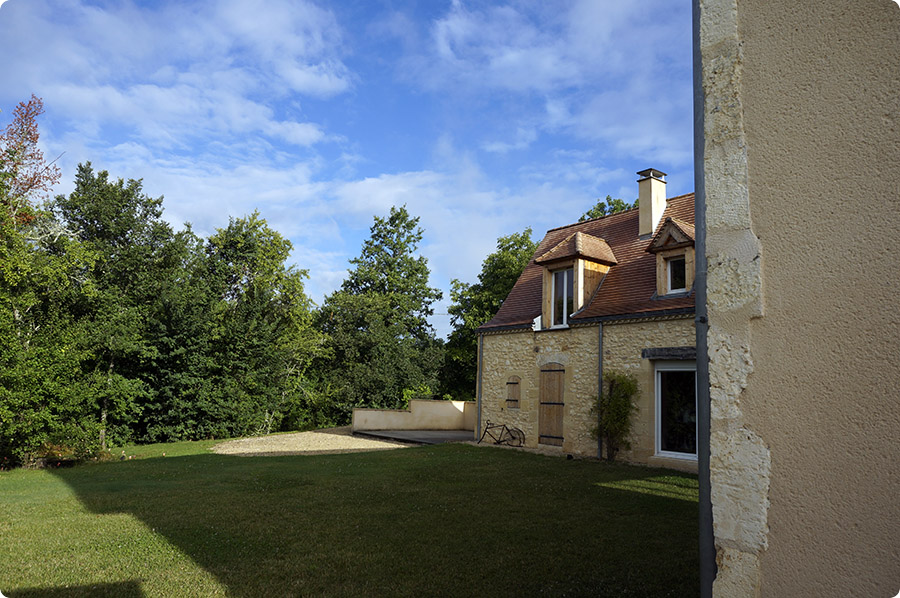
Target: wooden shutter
513 392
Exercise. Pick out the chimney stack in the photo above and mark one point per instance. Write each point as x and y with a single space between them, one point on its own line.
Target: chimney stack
652 197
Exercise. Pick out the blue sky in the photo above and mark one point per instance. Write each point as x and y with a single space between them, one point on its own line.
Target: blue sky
482 117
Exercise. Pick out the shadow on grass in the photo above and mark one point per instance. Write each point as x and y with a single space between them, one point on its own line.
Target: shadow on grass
125 589
450 520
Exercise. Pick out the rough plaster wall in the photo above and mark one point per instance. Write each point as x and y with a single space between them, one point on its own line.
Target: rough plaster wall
821 103
622 346
739 457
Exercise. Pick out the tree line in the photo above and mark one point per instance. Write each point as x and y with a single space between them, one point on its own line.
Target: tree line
115 327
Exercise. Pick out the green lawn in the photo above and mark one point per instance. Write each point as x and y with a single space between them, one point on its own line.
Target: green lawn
451 520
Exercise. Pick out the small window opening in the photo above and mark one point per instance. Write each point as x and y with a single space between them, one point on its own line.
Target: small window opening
676 273
513 392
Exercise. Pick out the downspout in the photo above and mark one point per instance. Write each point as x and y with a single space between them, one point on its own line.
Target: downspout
478 385
707 539
599 385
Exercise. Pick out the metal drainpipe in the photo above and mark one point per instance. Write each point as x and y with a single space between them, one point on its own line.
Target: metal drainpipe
707 539
599 385
478 384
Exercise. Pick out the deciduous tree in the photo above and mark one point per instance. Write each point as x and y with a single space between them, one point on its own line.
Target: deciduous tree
380 340
605 207
43 274
26 177
124 228
475 304
263 338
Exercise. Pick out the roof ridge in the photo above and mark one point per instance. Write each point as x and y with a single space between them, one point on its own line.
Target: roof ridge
668 199
680 196
592 220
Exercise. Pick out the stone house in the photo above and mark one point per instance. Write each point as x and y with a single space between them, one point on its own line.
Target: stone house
612 292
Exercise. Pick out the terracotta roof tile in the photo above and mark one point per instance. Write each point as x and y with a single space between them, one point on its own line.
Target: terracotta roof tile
628 287
671 234
686 227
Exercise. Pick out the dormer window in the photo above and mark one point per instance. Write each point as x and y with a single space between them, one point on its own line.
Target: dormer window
573 269
674 249
563 296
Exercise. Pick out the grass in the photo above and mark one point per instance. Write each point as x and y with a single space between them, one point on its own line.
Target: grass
451 520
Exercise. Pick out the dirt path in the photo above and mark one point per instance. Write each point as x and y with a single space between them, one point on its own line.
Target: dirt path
316 442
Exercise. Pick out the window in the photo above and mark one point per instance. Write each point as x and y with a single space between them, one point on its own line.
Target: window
513 392
676 274
563 296
676 409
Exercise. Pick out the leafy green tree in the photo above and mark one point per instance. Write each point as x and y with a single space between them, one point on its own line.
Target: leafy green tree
42 394
43 274
475 304
614 409
124 228
380 341
179 326
263 339
605 207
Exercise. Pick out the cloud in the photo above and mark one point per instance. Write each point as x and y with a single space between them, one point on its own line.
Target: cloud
523 138
296 133
615 75
498 47
167 75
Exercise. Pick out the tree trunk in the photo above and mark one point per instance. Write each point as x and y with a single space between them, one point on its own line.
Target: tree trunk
104 406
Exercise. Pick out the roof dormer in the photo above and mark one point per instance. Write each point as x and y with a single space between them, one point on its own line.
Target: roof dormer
572 271
674 249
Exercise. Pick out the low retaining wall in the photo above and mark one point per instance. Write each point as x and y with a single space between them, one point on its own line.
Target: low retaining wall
422 414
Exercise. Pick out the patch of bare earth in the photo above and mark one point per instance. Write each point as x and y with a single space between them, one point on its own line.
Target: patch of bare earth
317 442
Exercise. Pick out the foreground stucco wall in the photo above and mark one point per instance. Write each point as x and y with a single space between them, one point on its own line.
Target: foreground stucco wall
802 175
622 346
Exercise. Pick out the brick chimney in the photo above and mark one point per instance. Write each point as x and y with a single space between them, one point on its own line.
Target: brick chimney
652 196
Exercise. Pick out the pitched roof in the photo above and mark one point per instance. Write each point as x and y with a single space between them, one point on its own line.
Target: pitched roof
671 235
628 287
582 245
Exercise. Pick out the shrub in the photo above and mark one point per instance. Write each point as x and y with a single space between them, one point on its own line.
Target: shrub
614 409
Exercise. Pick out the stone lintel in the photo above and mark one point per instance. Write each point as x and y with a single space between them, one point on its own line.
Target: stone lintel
670 353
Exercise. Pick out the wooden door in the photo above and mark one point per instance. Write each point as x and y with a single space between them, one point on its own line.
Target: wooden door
550 416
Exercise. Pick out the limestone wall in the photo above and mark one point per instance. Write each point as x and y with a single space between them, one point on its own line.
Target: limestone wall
622 346
522 354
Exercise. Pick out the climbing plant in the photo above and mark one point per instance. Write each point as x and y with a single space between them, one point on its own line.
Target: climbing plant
614 409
